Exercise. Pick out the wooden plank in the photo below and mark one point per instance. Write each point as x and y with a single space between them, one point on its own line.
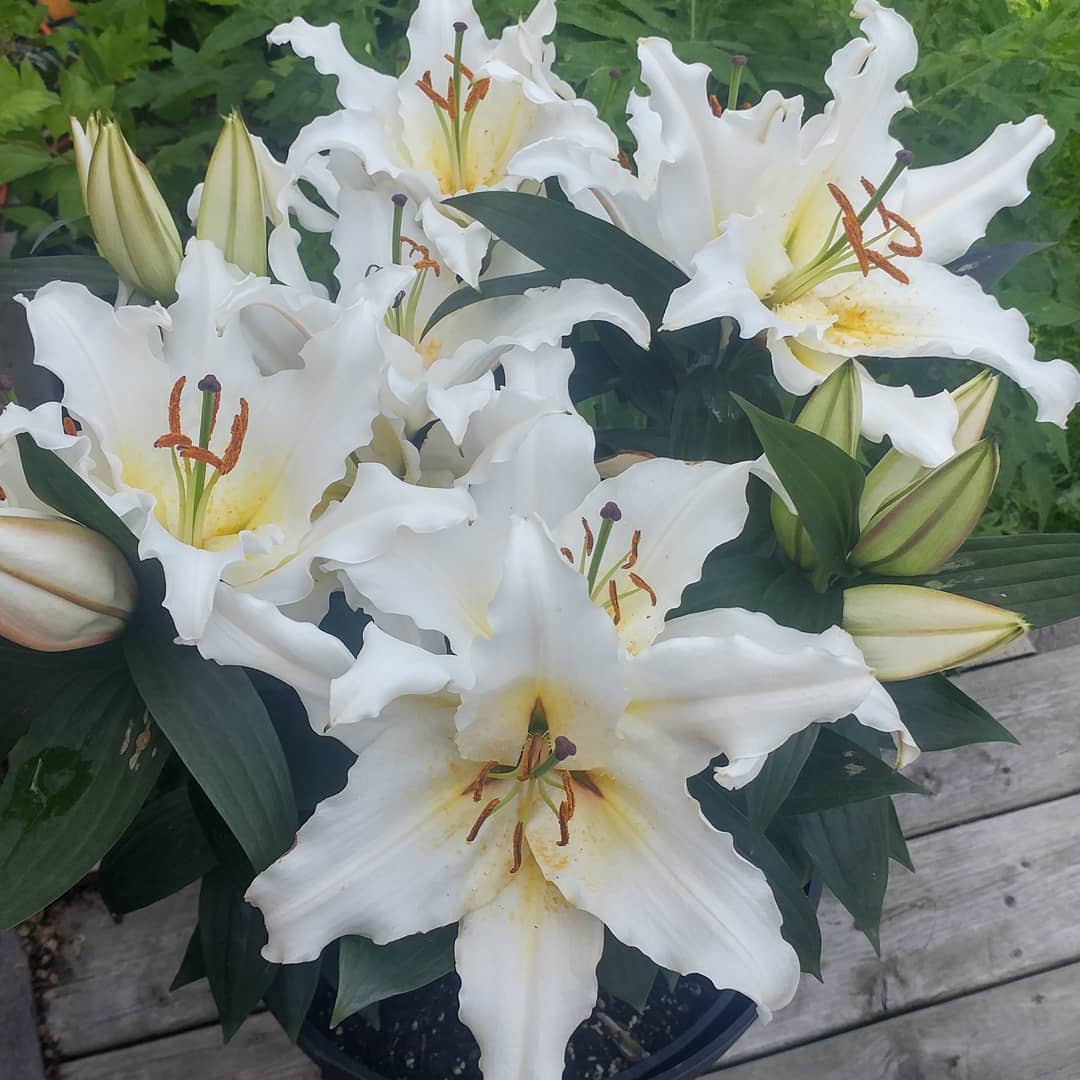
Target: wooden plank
20 1053
992 901
1024 1030
1035 698
116 976
260 1051
1061 636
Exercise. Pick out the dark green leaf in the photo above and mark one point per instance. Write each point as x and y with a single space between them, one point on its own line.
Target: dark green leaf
192 968
625 972
800 929
792 601
233 935
849 846
898 849
989 263
290 994
824 483
839 772
731 581
76 779
216 723
492 288
367 972
1037 574
573 244
162 850
766 793
27 275
940 716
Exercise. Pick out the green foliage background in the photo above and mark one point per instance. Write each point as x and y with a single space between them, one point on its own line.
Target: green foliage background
171 68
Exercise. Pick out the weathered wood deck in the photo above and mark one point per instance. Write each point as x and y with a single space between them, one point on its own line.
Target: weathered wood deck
979 975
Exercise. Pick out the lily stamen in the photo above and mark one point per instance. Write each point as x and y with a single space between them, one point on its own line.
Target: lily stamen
631 559
642 584
613 600
479 823
564 825
519 837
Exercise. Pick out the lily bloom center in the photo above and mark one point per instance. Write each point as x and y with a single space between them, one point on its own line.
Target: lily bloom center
197 468
538 774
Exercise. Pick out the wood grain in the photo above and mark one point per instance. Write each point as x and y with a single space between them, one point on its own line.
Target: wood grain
20 1054
1036 699
1025 1030
260 1051
994 900
116 976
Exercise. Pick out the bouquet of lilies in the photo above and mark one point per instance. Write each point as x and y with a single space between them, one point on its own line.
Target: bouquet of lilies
544 571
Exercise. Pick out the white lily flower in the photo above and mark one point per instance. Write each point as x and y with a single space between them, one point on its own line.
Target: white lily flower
818 237
218 469
468 113
444 373
532 783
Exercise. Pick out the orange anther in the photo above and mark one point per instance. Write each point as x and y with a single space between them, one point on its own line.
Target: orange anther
479 823
624 161
71 427
464 70
451 97
425 85
174 405
855 240
871 190
882 263
477 92
236 439
568 788
567 554
477 786
912 250
199 453
613 599
564 825
641 583
714 104
632 557
170 441
588 537
519 837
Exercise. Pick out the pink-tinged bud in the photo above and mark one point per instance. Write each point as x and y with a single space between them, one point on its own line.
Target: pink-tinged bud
905 631
62 586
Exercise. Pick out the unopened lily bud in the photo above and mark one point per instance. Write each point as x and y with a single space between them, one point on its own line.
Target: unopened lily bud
896 472
833 411
132 225
62 586
919 531
905 631
232 209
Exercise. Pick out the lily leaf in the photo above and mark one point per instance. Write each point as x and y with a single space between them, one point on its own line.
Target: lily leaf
940 716
367 972
849 846
625 972
162 850
766 793
76 779
824 483
220 728
839 772
510 285
290 994
28 274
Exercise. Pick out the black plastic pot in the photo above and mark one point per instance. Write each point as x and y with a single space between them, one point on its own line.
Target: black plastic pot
690 1056
696 1052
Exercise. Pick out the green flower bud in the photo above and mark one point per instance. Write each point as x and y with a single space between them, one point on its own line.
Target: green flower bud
133 227
61 586
833 411
896 472
905 631
922 528
232 209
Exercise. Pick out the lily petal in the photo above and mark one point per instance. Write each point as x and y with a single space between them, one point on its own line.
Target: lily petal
643 860
406 811
524 1008
735 682
550 644
952 204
